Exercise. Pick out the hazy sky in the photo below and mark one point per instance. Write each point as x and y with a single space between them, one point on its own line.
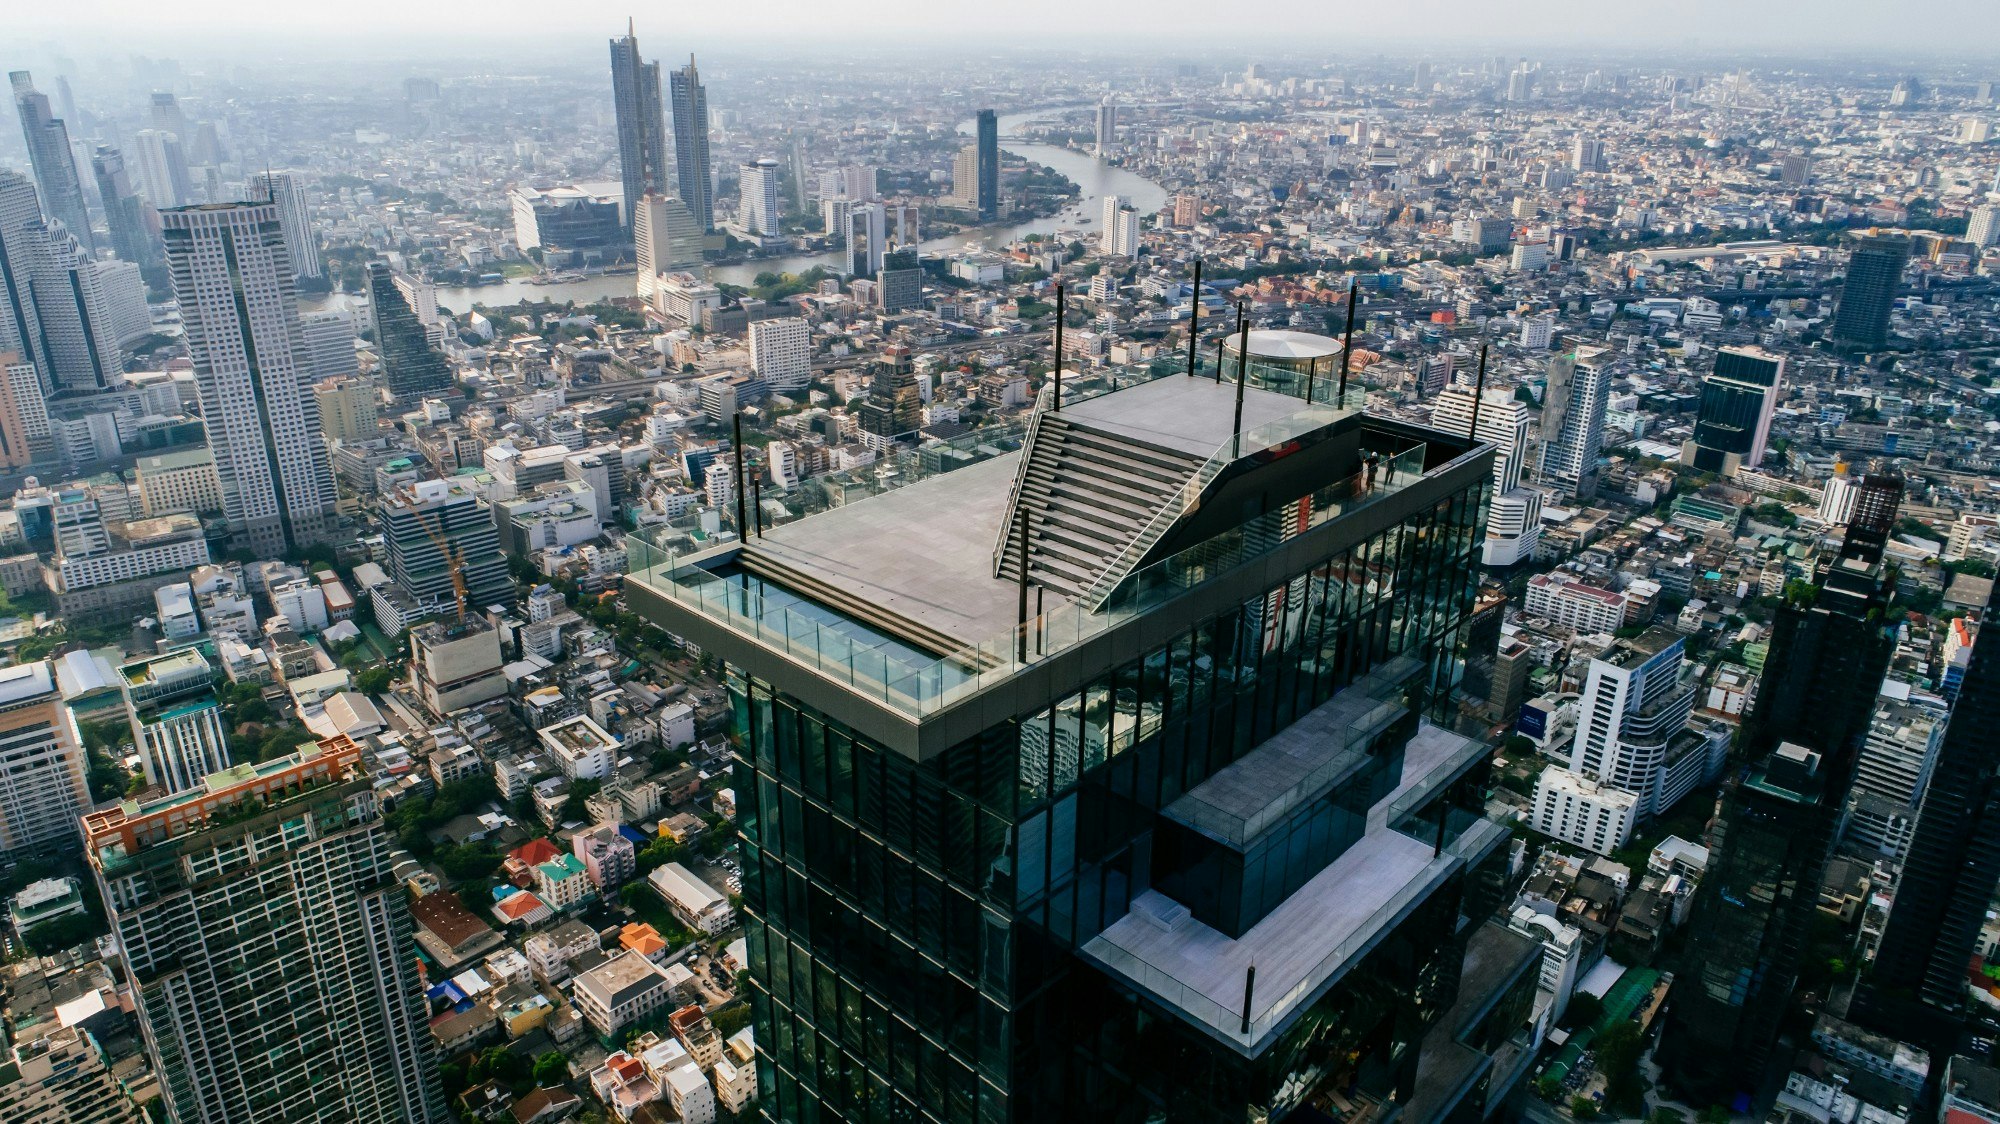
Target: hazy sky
1793 27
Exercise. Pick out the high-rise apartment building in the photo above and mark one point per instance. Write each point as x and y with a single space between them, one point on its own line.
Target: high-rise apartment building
1183 842
781 353
161 164
125 220
1119 236
1632 723
900 284
691 167
1758 901
177 722
1574 402
665 239
50 157
269 946
42 789
986 128
1586 154
411 367
348 409
1874 272
1107 127
232 277
1983 228
642 123
1514 520
25 433
1738 399
282 189
757 196
1187 210
867 238
425 520
1894 770
53 310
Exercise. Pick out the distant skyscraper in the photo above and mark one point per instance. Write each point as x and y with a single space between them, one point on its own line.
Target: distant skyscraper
54 313
1953 864
132 238
867 238
1111 239
282 189
1107 126
900 284
1574 403
411 367
799 172
1420 81
642 123
1983 229
1874 272
1796 169
665 238
1514 519
165 113
268 946
50 157
42 789
1586 154
1758 902
416 517
1737 402
988 143
232 277
161 165
691 167
757 199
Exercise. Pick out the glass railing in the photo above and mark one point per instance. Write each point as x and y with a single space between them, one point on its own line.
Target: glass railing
880 667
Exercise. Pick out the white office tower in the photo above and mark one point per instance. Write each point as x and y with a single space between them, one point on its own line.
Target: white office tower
52 308
1983 228
1632 729
1586 154
858 182
781 353
1107 127
833 212
123 289
1895 768
160 163
232 277
666 239
42 789
867 238
1537 332
1514 520
282 189
1574 403
177 723
757 198
1107 234
1836 501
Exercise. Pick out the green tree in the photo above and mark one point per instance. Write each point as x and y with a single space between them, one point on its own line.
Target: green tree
551 1069
64 932
1583 1010
1582 1107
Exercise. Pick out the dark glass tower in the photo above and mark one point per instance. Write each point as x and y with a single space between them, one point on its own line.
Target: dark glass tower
124 215
1755 906
1953 863
411 367
1737 401
50 157
988 129
1873 274
642 123
1107 792
691 167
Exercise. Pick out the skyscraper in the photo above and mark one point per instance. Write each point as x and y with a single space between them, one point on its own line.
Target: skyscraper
642 123
50 157
1221 875
1756 905
1874 272
1514 521
665 238
54 313
177 722
132 238
867 238
411 367
691 167
900 284
232 277
42 789
1953 864
1107 127
419 520
1586 154
1574 402
161 164
300 238
268 946
987 128
1738 399
757 196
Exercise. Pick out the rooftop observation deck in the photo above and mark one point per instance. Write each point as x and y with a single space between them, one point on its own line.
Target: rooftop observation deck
905 599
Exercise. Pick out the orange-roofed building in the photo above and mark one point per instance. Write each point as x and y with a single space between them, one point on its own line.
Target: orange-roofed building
534 852
523 908
644 940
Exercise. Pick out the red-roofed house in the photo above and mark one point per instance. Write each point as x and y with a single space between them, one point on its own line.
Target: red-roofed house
523 908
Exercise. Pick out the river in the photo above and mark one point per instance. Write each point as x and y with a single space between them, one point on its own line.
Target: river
1095 177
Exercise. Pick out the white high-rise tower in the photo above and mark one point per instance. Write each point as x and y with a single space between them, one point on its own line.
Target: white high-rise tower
282 189
1514 521
757 210
232 276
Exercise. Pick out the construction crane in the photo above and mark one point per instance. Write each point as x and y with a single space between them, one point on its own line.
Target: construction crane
454 563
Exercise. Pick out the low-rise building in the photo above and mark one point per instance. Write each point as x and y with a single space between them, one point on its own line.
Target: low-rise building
619 992
694 902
